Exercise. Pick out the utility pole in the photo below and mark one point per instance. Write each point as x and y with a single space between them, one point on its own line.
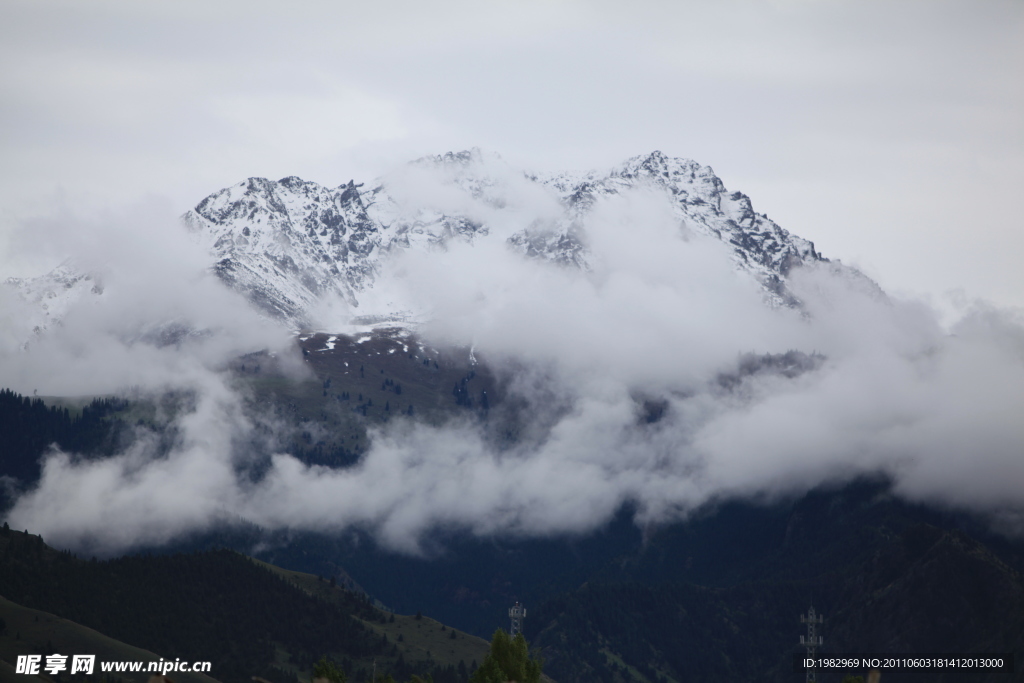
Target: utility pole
812 640
517 614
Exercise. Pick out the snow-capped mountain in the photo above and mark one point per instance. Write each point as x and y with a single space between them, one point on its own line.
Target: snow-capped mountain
289 242
47 299
286 244
701 202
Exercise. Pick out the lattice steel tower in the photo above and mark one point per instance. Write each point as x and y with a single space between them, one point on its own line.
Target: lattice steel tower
812 640
517 614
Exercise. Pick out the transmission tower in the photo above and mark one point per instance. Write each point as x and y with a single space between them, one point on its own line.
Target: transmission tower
812 640
517 614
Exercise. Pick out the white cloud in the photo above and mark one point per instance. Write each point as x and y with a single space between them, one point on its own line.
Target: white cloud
660 318
890 133
151 275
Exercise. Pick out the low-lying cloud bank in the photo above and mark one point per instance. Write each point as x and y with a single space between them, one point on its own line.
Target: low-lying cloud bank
662 317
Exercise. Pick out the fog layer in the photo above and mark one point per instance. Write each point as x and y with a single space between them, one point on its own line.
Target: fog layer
662 317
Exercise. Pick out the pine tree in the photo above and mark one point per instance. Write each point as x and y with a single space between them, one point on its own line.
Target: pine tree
508 660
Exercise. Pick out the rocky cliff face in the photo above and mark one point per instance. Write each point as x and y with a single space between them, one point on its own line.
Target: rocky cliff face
701 203
288 243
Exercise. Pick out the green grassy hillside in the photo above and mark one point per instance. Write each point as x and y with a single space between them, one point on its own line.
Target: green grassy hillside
29 631
246 617
417 639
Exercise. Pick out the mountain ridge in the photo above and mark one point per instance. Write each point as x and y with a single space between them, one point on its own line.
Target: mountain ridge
288 244
362 227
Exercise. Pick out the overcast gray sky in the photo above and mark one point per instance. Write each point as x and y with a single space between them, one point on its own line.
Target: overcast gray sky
890 133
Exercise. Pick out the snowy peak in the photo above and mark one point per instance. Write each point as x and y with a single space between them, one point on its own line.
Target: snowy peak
463 159
49 297
291 243
660 168
288 243
701 202
270 210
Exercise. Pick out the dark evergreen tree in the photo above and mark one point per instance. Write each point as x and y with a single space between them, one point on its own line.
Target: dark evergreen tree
329 671
508 660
